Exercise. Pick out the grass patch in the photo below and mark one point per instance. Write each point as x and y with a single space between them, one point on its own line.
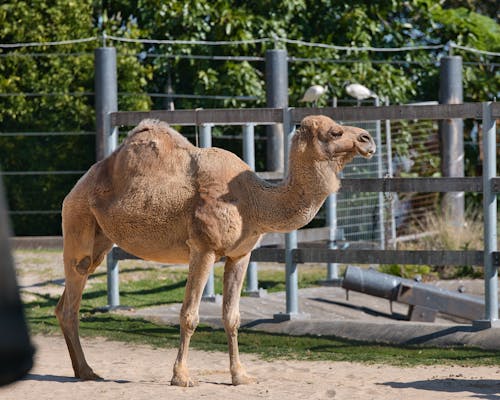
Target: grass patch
157 287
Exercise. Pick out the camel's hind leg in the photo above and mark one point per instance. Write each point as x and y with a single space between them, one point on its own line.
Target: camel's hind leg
84 249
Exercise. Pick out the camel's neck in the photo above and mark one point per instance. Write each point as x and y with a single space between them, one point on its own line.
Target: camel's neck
294 202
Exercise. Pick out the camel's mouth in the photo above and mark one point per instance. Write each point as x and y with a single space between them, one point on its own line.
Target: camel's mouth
366 151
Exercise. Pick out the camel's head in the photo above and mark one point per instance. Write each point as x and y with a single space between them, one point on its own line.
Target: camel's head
324 140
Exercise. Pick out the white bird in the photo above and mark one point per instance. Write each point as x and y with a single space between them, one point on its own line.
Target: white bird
359 92
313 94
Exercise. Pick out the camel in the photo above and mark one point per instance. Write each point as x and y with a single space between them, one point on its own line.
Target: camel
161 198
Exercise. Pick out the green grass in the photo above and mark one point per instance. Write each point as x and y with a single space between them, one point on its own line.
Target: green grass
157 287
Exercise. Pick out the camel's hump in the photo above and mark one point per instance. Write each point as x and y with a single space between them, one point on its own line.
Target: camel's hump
154 126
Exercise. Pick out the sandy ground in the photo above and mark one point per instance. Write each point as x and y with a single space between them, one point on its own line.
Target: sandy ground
142 372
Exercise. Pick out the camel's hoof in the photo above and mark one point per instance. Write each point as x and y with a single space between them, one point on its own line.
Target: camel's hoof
243 379
183 381
87 375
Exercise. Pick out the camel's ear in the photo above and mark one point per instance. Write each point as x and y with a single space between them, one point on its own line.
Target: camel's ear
310 124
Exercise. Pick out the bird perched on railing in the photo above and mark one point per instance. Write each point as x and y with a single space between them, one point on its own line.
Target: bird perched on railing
359 92
313 94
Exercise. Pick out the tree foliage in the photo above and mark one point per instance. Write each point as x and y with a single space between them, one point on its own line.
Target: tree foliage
52 90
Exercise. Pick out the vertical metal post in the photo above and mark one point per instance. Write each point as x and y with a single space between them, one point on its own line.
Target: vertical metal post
332 273
205 142
490 215
113 281
291 273
252 283
390 172
332 270
106 101
452 136
380 174
277 97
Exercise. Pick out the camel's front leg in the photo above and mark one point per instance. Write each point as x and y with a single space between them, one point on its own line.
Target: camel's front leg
199 268
234 273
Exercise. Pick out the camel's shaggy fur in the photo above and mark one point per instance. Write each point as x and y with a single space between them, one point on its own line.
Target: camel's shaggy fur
161 198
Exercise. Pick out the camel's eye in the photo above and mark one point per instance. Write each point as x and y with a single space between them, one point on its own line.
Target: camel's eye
335 133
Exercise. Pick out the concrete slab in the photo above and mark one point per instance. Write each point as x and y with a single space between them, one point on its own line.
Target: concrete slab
325 311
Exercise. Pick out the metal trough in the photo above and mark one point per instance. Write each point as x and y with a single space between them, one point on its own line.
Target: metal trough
425 300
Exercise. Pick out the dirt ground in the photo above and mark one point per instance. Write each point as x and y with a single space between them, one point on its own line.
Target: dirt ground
143 372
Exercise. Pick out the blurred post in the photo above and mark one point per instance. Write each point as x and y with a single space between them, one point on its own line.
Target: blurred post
16 351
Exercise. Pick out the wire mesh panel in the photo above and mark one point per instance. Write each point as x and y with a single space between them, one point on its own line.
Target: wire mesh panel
365 218
358 214
415 154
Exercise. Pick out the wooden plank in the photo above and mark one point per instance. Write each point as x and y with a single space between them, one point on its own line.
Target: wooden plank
417 257
395 112
495 184
319 255
241 116
413 185
132 118
268 255
266 116
259 116
495 109
303 236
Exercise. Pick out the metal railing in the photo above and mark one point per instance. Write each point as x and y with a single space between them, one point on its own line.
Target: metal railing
291 255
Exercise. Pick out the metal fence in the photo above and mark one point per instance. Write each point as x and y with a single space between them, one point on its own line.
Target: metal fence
291 255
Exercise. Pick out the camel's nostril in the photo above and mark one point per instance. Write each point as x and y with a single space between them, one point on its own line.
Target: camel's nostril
365 138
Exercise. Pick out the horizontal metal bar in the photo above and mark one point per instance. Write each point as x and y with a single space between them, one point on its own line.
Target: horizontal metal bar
395 112
413 185
417 257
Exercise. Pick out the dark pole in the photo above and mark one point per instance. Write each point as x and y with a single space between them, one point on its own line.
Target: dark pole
16 351
106 99
452 136
276 97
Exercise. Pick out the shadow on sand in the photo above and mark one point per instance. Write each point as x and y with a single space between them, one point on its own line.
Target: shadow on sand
65 379
488 389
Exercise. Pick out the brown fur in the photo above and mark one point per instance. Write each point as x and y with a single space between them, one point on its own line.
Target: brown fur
161 198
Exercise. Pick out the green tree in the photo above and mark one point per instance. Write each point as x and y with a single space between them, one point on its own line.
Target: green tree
50 89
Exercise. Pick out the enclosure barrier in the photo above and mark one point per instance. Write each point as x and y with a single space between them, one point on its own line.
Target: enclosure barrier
424 300
489 184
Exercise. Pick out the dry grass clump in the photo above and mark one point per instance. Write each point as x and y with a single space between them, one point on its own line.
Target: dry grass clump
434 232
